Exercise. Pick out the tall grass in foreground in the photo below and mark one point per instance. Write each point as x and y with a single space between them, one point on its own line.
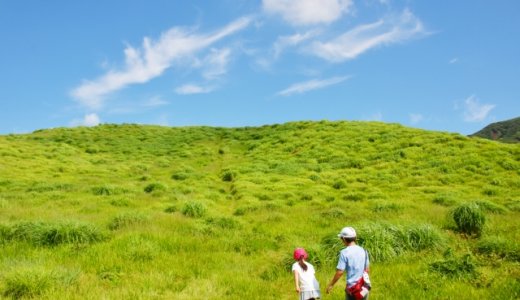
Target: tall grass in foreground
26 283
385 242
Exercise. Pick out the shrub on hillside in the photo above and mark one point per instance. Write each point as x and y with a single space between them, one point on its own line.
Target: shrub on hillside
223 222
314 177
380 241
170 209
154 187
340 184
105 190
71 233
444 200
52 234
499 247
180 176
513 205
354 196
120 202
194 209
244 209
101 191
4 233
228 175
456 267
419 237
383 207
127 219
469 218
333 213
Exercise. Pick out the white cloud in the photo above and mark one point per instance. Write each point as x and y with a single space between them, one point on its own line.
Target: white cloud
365 37
190 89
216 63
474 111
454 60
302 87
416 118
284 42
307 12
88 120
154 57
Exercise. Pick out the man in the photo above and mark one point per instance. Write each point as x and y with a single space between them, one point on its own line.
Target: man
354 260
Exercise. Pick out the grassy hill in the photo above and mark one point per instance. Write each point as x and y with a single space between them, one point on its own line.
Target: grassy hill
505 131
148 212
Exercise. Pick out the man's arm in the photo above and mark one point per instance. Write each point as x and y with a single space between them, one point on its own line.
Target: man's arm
336 277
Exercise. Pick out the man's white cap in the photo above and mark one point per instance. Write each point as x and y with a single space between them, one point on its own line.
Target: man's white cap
347 232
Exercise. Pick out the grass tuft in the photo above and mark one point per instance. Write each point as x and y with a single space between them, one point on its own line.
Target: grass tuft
194 209
26 283
53 234
469 218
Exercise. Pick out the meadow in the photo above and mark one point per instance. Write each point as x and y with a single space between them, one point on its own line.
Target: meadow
149 212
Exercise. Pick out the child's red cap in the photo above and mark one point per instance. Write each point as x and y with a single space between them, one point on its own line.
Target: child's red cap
300 253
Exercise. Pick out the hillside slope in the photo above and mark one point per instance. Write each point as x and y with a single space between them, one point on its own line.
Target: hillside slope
128 211
505 131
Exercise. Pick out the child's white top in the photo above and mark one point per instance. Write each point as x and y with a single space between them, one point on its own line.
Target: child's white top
307 279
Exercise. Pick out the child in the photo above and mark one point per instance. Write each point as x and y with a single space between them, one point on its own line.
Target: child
306 284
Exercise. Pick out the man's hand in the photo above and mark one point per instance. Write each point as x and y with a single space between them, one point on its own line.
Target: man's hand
298 289
337 276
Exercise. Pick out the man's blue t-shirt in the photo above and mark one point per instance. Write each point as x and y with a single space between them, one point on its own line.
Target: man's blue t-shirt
352 260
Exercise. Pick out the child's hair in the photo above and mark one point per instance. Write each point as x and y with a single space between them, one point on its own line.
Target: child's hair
302 263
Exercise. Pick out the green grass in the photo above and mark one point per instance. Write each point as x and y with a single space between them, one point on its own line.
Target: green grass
149 212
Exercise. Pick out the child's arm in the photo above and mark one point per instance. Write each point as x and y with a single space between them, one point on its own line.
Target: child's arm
296 281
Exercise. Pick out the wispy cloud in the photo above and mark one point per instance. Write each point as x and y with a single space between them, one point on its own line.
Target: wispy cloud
416 118
474 111
307 12
453 60
362 38
191 89
215 64
88 120
150 61
303 87
284 42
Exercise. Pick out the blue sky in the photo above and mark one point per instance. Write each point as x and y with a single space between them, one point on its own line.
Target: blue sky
439 65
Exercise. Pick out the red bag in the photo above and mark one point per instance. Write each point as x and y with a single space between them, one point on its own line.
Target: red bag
358 290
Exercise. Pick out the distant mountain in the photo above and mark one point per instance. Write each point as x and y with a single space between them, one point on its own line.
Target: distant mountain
505 131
